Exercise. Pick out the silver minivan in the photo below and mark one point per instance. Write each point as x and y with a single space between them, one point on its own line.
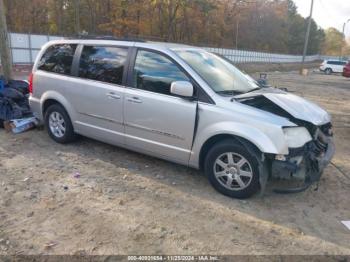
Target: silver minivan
182 104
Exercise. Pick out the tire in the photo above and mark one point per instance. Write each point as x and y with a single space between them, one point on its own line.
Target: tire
59 125
227 176
328 71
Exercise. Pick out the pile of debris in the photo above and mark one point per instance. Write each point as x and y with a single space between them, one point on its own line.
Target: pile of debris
15 113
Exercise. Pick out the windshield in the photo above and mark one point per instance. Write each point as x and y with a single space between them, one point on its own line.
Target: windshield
222 76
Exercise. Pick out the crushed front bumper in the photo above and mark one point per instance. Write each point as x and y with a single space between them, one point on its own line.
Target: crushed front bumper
306 163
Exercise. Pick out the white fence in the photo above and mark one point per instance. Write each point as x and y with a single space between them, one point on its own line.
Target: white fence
242 56
25 47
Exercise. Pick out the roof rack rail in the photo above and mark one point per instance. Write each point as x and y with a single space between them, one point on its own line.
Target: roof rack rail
99 37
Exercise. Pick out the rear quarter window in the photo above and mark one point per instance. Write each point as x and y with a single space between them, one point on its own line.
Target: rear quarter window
336 63
58 59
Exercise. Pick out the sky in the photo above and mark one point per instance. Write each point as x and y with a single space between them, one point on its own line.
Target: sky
327 13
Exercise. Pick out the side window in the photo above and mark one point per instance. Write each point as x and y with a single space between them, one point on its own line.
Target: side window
154 72
104 64
58 59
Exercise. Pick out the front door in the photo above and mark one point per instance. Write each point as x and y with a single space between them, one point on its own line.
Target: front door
156 121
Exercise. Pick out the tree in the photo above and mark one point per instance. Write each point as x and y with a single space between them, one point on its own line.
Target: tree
296 32
6 61
333 43
264 25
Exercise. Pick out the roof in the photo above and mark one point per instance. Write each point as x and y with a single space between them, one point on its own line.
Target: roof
123 42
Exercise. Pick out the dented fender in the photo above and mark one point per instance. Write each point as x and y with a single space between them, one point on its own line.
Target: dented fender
271 142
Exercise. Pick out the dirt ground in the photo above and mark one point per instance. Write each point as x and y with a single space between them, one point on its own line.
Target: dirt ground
93 198
272 67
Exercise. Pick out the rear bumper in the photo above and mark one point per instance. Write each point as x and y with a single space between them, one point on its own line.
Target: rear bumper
35 106
346 73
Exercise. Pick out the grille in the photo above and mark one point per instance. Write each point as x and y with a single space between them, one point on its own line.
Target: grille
320 142
326 129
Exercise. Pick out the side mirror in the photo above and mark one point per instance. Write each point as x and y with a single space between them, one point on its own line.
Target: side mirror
181 88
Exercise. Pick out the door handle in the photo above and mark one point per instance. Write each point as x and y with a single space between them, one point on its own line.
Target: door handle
113 95
135 99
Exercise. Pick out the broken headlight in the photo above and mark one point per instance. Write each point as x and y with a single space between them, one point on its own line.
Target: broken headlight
296 136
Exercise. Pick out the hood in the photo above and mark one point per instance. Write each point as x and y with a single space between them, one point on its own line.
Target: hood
285 104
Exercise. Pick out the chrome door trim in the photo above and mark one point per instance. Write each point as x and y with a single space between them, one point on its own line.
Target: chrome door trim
154 131
138 149
101 117
99 128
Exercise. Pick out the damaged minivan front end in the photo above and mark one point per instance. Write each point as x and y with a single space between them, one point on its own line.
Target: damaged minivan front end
310 142
251 132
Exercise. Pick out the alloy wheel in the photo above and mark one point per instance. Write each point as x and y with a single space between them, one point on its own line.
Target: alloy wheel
57 124
233 171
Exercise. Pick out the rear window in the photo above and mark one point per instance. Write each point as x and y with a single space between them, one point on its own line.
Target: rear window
58 59
101 63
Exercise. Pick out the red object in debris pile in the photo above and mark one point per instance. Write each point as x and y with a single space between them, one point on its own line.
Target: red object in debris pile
30 83
346 70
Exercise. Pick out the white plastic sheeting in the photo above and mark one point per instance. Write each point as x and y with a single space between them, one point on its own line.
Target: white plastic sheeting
242 56
25 48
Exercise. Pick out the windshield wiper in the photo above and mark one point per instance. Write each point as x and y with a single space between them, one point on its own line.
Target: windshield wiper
254 89
228 92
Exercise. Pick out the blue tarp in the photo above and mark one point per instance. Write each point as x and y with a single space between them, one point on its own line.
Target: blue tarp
14 100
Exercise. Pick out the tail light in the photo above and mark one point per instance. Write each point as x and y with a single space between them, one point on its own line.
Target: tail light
30 87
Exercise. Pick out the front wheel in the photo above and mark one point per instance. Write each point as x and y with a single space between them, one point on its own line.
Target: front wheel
232 169
328 71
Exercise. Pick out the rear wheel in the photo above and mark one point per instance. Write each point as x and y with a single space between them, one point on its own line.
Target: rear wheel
232 169
328 71
59 125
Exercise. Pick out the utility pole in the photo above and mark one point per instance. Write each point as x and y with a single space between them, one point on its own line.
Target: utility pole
237 28
5 54
341 48
307 36
77 16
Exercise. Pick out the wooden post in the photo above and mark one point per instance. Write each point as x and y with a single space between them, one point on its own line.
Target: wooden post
6 61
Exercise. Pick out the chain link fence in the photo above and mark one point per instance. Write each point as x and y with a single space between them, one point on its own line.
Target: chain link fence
25 47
